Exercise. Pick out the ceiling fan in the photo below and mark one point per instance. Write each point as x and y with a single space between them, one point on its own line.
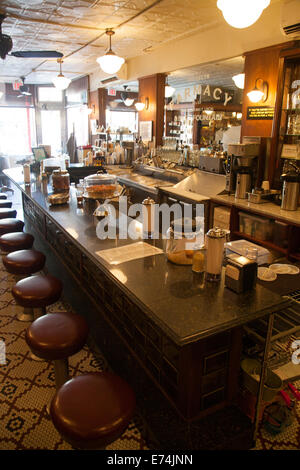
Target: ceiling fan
24 89
125 97
6 45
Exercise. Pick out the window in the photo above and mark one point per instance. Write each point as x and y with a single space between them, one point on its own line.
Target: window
50 94
118 119
78 121
17 131
51 130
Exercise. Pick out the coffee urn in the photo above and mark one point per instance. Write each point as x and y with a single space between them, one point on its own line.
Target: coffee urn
290 190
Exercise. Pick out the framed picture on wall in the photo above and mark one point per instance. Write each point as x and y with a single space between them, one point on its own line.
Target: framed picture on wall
93 123
146 131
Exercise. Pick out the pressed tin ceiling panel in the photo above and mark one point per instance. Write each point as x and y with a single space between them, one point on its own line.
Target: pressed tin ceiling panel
73 24
76 28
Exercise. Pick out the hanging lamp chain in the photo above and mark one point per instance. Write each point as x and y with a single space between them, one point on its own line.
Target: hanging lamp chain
110 33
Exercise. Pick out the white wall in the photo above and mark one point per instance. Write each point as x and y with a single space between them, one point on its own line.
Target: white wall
218 43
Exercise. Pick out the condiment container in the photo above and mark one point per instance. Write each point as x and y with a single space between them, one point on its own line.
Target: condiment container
26 170
100 186
214 242
60 181
240 273
181 240
199 265
148 216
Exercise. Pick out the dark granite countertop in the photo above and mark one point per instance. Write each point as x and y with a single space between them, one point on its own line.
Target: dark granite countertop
167 293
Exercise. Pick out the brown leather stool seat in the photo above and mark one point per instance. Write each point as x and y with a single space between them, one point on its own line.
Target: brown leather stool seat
92 410
9 225
5 204
7 213
16 241
55 337
36 291
3 197
24 261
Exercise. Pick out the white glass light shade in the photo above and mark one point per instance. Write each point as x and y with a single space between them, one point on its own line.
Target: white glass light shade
129 101
208 111
110 62
255 95
242 13
61 82
169 91
140 106
239 80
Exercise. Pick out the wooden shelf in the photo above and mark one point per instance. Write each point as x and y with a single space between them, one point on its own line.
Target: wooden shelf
265 243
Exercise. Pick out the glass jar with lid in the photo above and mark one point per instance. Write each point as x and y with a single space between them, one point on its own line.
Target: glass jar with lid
100 186
60 181
182 236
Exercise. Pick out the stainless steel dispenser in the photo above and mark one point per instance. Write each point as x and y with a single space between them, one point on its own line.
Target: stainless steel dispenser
290 190
129 152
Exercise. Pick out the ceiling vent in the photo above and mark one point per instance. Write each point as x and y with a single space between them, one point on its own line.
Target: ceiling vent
290 18
109 80
120 75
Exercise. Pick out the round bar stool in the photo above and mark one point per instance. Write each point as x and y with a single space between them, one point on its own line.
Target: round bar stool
3 197
24 262
7 213
15 241
36 292
9 225
92 410
55 337
5 204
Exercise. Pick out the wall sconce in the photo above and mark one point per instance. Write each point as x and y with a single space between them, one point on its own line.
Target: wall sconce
91 110
259 92
140 105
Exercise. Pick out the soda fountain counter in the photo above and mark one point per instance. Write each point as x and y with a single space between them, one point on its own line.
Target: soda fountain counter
179 346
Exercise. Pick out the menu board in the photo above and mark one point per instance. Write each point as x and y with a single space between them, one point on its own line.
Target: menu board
146 131
260 113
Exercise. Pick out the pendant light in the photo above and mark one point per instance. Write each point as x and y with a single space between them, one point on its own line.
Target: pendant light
169 90
110 62
61 82
239 80
242 14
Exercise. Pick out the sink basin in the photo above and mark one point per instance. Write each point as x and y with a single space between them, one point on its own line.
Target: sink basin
200 182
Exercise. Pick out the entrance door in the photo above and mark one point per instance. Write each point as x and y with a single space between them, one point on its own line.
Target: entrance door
51 130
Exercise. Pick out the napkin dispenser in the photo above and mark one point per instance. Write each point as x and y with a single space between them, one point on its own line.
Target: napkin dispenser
240 273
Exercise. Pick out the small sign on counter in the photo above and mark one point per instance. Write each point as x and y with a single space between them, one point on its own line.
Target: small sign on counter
128 252
260 113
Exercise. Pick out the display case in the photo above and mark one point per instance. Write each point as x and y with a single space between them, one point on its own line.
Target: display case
286 126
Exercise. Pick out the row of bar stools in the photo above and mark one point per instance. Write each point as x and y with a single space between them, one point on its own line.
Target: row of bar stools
55 337
89 411
5 204
6 213
24 262
15 241
9 225
36 292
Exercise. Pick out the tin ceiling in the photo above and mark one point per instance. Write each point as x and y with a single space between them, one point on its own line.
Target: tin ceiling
77 29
